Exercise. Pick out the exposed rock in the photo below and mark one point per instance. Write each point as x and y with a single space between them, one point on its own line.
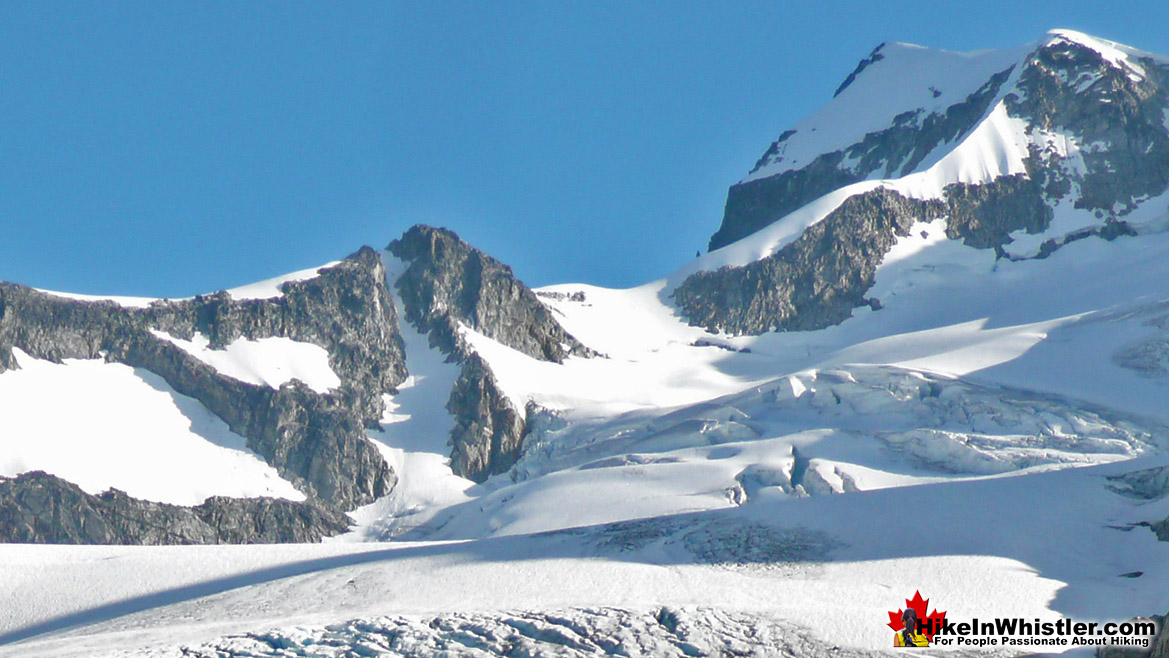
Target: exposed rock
1145 484
39 508
315 441
312 440
489 431
754 204
983 216
811 283
577 296
449 284
346 309
903 146
865 63
1115 115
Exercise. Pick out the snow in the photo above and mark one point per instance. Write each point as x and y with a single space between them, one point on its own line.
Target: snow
270 288
271 361
102 425
127 302
904 80
994 148
756 485
414 439
267 289
972 561
1114 53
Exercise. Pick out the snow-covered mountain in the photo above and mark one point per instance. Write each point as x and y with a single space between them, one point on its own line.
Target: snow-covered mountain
929 351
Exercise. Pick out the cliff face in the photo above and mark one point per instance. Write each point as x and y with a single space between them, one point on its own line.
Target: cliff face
39 508
898 149
315 440
448 284
812 283
1095 139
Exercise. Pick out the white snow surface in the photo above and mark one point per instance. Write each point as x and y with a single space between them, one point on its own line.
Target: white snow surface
414 439
904 80
269 361
964 441
128 302
910 78
102 425
266 289
269 288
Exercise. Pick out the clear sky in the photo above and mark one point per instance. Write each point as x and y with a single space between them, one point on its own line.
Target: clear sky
171 148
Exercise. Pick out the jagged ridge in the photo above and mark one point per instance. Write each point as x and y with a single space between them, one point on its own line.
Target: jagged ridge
316 441
36 507
449 284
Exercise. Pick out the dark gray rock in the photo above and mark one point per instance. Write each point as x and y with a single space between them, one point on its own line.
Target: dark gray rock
1071 87
865 63
1145 484
983 216
448 283
312 440
811 283
316 441
489 432
1117 117
39 508
269 520
900 148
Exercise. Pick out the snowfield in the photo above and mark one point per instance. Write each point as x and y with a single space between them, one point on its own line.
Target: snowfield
994 437
102 425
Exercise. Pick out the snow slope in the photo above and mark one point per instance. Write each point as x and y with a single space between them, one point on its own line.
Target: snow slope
266 361
790 489
102 425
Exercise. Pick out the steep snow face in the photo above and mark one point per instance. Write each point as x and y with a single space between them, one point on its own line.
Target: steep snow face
759 480
415 437
898 78
266 362
266 289
1015 112
103 425
127 302
996 147
269 288
904 78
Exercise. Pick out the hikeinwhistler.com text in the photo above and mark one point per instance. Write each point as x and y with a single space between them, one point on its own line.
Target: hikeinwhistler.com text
1017 632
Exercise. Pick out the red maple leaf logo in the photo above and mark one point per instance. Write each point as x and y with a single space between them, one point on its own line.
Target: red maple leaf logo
919 606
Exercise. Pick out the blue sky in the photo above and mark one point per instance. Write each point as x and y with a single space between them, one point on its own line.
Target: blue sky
167 149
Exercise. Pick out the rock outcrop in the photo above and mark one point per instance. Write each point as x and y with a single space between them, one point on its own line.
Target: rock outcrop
1111 113
896 150
489 431
811 283
316 441
39 508
1115 111
448 285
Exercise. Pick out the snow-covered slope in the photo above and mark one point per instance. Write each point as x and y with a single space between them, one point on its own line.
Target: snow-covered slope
988 428
105 425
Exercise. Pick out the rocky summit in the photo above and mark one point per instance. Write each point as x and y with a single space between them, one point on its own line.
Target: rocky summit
923 364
